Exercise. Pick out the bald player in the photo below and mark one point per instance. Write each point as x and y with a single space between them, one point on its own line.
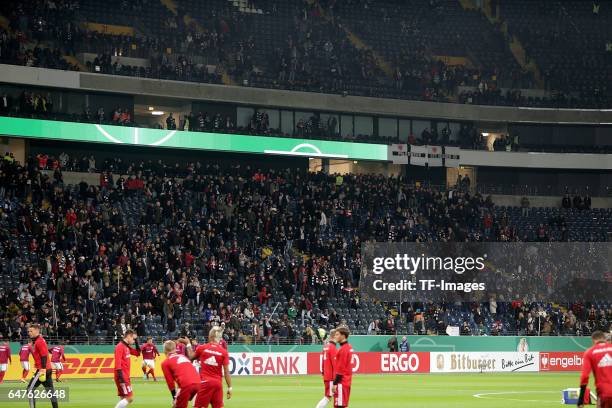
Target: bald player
598 359
178 371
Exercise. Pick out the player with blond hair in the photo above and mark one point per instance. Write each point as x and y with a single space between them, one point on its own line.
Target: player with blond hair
327 368
214 365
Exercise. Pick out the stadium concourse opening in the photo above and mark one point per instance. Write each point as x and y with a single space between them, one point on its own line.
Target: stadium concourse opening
306 203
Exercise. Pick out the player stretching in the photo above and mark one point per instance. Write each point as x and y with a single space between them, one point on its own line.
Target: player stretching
42 363
57 358
123 351
180 345
599 360
178 369
214 364
329 361
5 360
24 358
149 352
343 369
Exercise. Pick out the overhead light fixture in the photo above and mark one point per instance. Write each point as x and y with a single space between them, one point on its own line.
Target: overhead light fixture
151 108
485 134
157 113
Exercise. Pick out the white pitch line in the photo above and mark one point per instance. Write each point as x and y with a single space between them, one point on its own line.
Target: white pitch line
484 395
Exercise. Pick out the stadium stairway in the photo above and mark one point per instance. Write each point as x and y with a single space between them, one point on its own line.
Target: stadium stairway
361 45
4 23
516 47
192 22
170 5
75 61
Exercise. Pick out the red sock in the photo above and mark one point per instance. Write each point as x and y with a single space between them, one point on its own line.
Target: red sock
58 373
24 374
152 372
2 376
144 371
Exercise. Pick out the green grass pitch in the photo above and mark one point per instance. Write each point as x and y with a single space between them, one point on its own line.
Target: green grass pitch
378 391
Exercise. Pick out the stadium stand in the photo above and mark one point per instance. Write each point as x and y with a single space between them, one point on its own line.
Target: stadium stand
170 249
441 51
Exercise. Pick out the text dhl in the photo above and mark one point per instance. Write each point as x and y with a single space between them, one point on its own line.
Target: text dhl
81 366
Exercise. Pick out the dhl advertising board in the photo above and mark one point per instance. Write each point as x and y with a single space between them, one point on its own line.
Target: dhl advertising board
102 365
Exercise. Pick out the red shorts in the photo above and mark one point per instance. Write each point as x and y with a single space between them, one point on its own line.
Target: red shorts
124 389
211 393
186 394
342 395
329 385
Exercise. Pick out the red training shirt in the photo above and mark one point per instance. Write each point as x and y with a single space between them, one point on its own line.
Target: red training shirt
57 354
329 361
5 353
149 351
178 369
25 351
212 359
122 359
344 363
40 351
599 360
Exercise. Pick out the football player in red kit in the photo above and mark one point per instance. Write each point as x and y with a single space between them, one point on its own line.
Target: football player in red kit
214 365
123 352
178 370
24 358
149 352
57 358
599 360
5 360
180 347
43 374
343 369
328 363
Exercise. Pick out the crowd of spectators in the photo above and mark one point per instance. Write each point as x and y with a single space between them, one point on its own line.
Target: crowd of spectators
40 105
483 94
268 252
317 54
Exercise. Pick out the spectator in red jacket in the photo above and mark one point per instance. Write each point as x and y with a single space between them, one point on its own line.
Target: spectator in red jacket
71 217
